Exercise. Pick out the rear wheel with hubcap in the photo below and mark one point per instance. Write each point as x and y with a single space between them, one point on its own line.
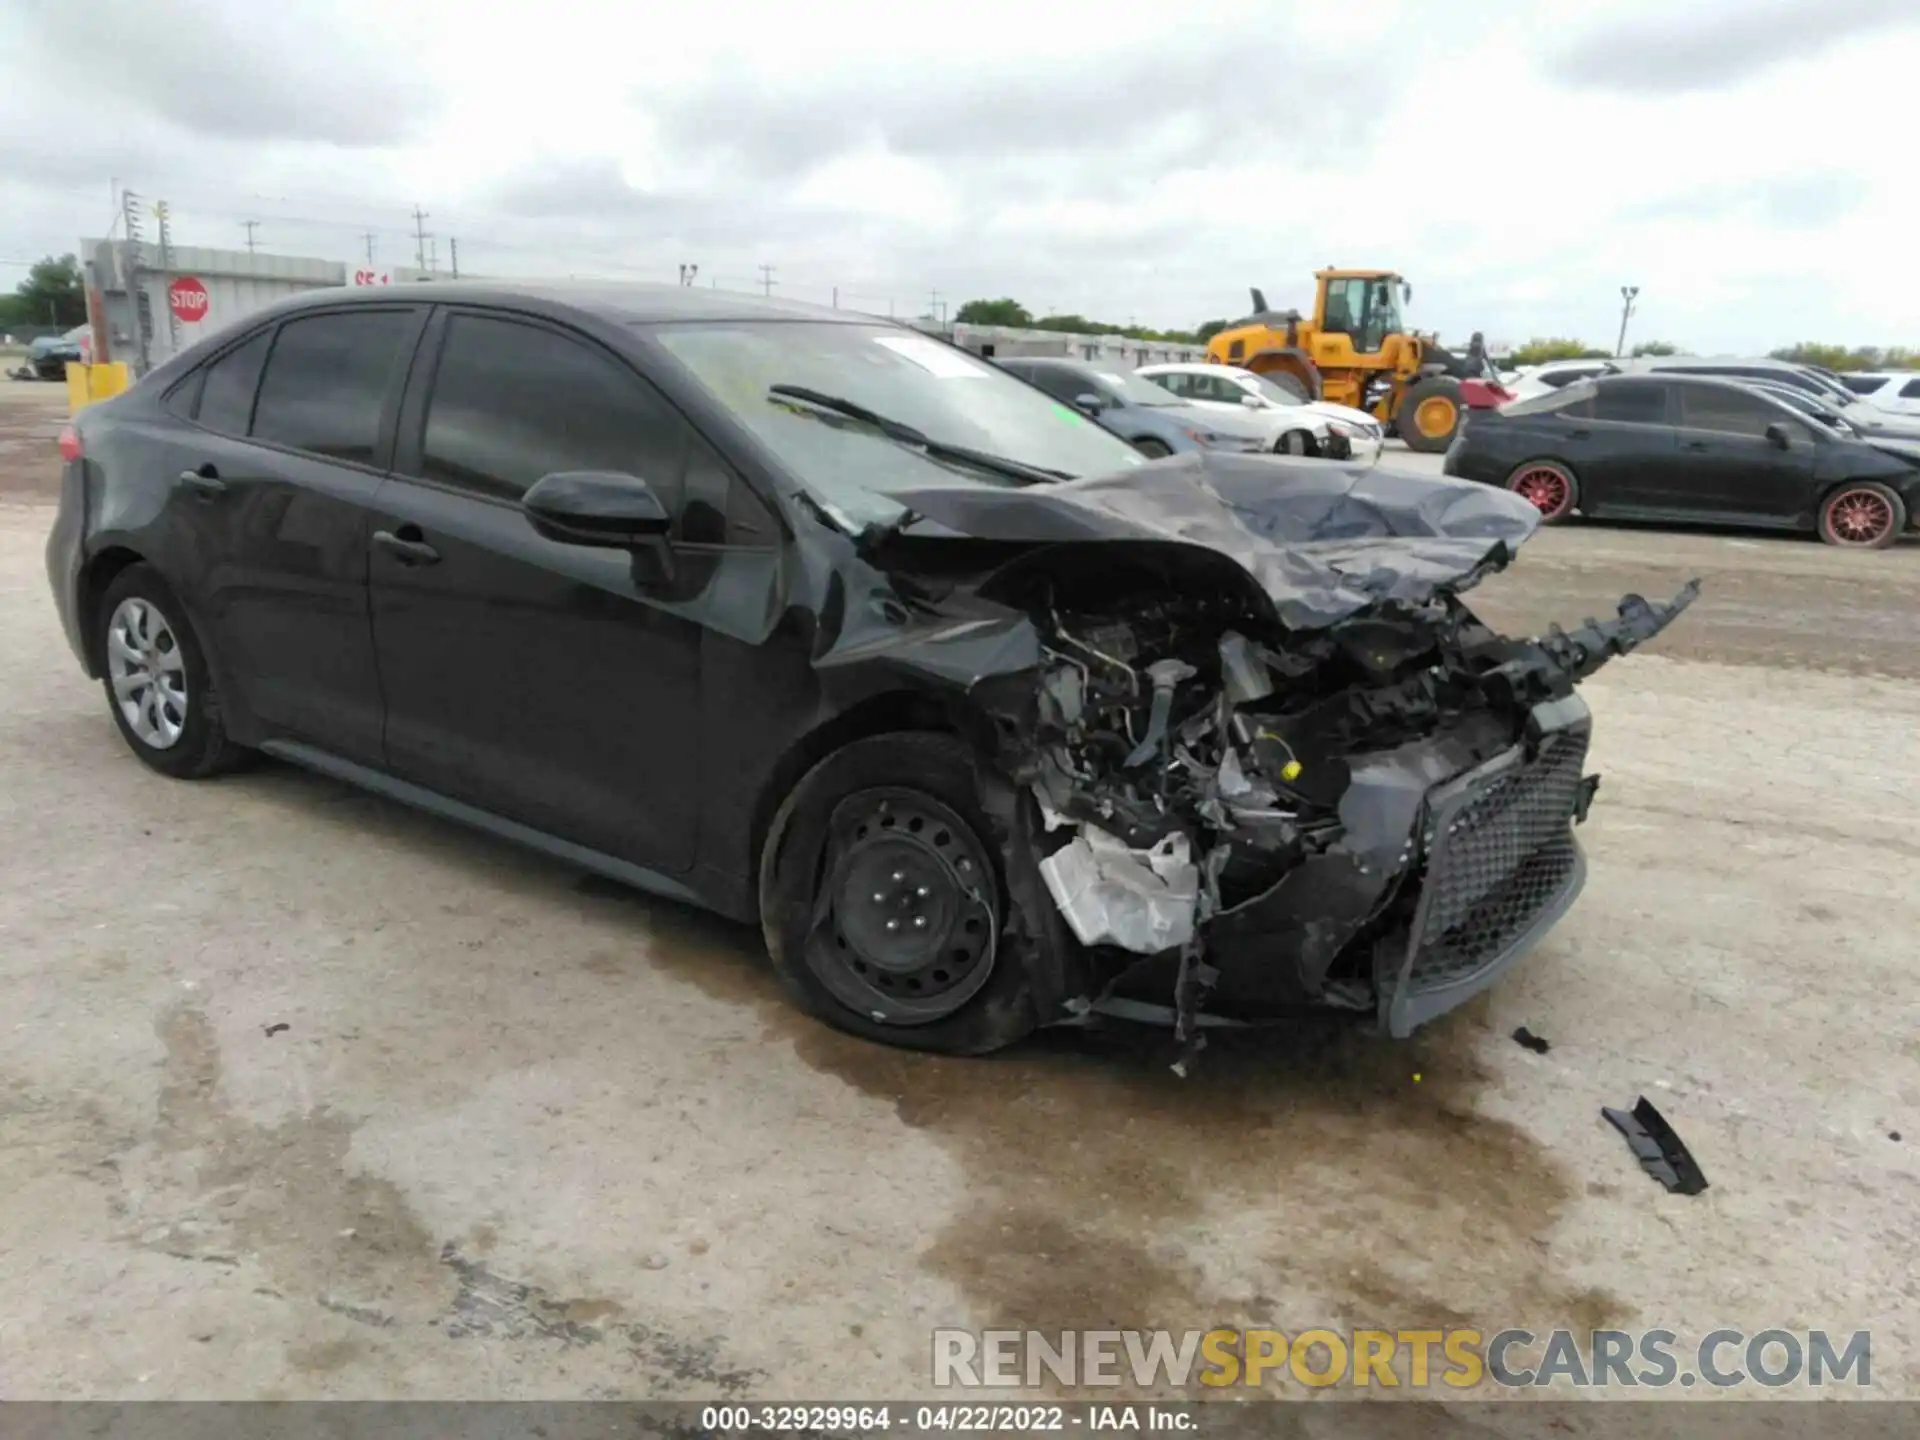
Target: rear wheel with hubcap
1429 414
157 683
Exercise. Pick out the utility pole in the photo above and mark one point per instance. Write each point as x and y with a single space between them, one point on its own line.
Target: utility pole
251 226
166 273
419 236
453 255
766 280
933 307
836 297
133 267
1627 295
368 237
433 254
689 273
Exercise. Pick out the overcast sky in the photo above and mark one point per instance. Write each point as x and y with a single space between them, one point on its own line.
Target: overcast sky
1749 164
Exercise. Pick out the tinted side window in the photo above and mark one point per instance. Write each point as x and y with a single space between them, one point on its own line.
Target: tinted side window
1175 383
1634 402
327 380
514 402
1863 384
1723 408
1062 384
226 394
1910 390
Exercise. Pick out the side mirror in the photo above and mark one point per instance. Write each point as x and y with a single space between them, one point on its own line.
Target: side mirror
596 507
1777 437
1253 402
1089 403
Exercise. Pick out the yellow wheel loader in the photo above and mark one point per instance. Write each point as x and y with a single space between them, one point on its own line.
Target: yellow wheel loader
1354 350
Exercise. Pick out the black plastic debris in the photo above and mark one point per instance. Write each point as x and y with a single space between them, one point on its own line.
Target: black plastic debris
1662 1153
1894 1135
1536 1043
276 1028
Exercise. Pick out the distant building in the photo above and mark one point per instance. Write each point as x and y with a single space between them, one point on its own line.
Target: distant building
1119 352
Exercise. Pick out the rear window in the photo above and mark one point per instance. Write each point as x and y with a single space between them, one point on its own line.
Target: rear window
226 395
327 381
1862 384
1576 394
1910 390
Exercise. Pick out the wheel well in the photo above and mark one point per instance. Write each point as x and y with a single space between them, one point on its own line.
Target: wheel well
882 714
102 570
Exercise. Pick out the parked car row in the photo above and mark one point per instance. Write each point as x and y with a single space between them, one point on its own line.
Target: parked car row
1673 444
1181 408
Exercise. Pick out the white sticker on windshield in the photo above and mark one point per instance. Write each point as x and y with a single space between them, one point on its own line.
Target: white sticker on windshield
936 359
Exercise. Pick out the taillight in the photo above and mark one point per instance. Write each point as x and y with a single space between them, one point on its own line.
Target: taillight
70 446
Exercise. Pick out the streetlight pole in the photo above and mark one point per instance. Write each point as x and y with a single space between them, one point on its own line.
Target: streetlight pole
1627 295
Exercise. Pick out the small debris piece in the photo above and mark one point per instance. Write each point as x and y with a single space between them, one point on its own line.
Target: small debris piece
276 1028
1537 1044
658 1262
1663 1154
1893 1135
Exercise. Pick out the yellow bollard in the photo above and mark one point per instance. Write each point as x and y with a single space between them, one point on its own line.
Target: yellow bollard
89 383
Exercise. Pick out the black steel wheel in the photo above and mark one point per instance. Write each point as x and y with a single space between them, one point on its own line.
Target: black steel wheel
882 899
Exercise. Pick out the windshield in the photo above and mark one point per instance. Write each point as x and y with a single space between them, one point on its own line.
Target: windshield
1135 390
942 392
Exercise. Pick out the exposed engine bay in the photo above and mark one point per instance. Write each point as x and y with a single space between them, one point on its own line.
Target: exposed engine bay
1192 758
1277 759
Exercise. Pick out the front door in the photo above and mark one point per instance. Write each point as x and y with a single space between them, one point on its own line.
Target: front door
553 684
1730 470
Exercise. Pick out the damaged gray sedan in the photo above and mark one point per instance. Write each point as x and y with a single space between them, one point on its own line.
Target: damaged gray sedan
808 618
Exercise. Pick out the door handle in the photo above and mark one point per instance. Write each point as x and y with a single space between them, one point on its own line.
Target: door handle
1697 445
1579 434
407 547
204 482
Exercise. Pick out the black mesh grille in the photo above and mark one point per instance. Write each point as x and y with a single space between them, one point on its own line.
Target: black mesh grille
1499 855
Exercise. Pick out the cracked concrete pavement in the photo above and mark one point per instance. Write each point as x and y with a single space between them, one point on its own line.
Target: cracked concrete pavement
306 1095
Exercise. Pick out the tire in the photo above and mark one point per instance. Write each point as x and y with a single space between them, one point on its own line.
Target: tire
177 723
1153 449
1296 442
902 805
1862 515
1420 407
1552 488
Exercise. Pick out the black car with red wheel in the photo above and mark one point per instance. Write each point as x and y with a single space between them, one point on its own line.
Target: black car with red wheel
1692 449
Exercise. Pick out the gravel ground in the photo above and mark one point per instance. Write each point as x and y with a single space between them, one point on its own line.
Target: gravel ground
303 1094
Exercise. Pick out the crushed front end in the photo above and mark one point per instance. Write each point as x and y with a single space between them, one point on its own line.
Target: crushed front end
1334 786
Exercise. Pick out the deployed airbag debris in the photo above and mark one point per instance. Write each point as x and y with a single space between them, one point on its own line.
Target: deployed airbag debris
1111 894
1663 1154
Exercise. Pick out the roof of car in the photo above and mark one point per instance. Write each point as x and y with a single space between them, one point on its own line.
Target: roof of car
1053 362
631 302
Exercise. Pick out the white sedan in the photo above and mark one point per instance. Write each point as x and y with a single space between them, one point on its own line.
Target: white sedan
1305 427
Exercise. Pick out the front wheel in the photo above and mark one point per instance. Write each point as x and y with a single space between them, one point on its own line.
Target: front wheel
1862 516
883 901
1548 486
1296 442
1429 414
1152 449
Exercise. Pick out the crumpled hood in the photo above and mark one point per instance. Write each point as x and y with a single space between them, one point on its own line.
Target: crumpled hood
1322 540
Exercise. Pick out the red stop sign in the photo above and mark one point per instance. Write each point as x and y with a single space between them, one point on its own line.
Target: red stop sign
188 297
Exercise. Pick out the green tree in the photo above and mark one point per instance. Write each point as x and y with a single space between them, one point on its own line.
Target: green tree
1655 347
1850 357
52 294
1003 311
1205 332
1538 351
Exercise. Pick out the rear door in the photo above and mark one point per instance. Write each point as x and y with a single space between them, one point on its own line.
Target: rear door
1622 444
1729 468
554 684
291 429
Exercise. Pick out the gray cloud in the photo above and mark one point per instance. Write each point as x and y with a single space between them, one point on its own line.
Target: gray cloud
1787 202
1204 95
290 70
1695 47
